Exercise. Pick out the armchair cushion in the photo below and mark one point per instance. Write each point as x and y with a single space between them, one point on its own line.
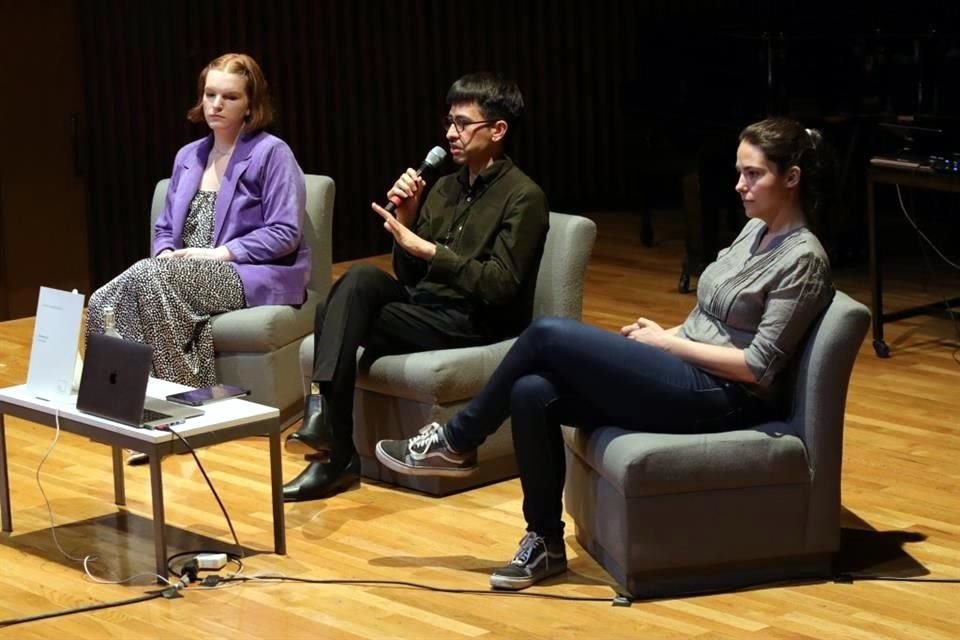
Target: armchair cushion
437 377
262 329
649 464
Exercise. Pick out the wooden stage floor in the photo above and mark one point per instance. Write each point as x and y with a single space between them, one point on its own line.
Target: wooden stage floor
901 497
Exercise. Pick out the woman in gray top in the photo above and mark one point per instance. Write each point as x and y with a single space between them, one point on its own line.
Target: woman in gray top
717 371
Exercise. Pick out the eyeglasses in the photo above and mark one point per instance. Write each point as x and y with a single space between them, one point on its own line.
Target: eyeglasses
460 123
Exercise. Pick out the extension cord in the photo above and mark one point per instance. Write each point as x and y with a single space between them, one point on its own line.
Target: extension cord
211 561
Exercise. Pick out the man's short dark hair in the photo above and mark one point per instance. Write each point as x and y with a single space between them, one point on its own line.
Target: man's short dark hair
497 97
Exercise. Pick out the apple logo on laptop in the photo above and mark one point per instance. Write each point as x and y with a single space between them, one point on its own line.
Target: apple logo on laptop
113 377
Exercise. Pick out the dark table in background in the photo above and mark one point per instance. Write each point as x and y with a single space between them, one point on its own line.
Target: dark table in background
919 177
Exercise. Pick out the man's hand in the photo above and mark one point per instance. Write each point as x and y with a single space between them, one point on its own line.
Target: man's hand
646 331
407 189
196 253
403 236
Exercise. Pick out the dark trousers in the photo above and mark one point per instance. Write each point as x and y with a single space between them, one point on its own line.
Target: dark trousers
564 372
369 307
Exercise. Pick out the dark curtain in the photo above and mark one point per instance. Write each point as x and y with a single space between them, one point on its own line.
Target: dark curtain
359 89
617 92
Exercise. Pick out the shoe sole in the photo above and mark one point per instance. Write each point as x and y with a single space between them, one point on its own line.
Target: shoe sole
301 448
404 469
516 584
341 486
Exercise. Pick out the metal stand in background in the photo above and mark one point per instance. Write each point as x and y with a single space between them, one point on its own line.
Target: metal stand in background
920 178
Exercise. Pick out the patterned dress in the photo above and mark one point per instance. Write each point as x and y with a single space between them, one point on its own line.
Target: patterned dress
167 303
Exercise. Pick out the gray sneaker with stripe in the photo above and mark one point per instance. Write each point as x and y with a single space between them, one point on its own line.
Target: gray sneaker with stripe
426 454
537 558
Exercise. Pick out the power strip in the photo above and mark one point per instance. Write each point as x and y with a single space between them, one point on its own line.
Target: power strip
211 561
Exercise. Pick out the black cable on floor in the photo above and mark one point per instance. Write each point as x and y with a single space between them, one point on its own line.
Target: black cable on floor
153 595
853 577
211 581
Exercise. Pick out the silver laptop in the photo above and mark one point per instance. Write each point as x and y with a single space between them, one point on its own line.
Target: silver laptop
114 385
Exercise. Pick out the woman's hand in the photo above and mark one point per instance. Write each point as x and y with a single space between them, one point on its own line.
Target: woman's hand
197 253
646 331
166 253
725 362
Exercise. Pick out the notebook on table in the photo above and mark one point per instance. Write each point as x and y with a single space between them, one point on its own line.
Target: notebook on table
114 385
53 352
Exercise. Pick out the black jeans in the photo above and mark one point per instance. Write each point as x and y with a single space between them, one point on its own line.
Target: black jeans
369 307
563 371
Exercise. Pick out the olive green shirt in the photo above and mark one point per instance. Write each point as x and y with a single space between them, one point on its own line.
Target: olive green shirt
489 238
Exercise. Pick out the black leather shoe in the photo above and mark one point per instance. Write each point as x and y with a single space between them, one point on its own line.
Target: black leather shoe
315 435
322 480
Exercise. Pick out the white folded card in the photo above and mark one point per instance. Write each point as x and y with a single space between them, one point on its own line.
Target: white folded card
53 353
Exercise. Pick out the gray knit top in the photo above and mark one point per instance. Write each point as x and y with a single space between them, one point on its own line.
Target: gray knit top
762 302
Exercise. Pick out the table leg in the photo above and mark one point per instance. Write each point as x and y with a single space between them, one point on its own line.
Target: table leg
276 486
119 491
5 481
159 526
876 274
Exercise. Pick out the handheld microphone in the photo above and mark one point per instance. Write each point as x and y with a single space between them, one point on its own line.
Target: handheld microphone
432 161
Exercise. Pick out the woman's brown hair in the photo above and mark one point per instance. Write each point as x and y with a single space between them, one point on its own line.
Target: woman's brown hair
261 109
786 143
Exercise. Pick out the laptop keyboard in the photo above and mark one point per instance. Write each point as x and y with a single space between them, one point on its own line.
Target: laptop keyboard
150 414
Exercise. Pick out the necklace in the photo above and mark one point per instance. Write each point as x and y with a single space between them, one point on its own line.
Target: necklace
221 152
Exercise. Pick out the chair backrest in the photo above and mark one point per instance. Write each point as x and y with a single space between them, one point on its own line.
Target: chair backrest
317 226
559 290
822 375
318 231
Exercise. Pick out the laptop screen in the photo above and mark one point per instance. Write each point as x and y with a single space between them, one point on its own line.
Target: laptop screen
115 377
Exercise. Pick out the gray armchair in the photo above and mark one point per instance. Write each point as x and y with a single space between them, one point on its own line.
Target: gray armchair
257 347
673 514
399 394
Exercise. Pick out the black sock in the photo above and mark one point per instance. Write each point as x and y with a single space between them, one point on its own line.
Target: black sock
322 386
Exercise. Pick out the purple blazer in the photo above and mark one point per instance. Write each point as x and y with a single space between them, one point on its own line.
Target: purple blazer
259 212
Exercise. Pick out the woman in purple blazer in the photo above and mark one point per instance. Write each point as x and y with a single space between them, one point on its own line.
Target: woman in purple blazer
228 237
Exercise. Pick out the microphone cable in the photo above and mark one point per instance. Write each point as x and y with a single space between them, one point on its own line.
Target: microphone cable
237 556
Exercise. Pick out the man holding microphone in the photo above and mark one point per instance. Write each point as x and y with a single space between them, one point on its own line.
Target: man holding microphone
465 256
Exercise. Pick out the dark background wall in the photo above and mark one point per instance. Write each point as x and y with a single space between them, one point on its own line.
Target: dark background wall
360 91
623 97
43 221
